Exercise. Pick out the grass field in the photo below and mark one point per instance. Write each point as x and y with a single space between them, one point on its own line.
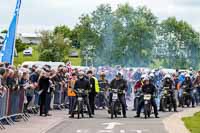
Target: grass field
35 57
21 58
193 123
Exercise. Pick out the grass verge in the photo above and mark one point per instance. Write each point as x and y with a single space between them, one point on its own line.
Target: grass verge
193 123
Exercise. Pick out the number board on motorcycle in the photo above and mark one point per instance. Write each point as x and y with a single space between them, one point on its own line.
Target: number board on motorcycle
147 97
115 96
80 98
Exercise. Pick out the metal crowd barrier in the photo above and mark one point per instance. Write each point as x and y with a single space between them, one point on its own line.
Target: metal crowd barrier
60 98
12 104
33 106
12 107
3 105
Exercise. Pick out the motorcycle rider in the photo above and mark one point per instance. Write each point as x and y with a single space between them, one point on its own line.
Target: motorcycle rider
148 88
120 84
104 85
168 83
187 87
82 83
177 87
137 88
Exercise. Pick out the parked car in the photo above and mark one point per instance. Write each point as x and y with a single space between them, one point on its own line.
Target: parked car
73 54
28 52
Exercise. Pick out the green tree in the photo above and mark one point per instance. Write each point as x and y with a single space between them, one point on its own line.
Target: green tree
133 37
20 46
182 42
53 47
102 23
86 35
135 34
4 31
74 38
63 30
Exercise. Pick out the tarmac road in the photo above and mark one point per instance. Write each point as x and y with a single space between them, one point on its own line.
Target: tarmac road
101 123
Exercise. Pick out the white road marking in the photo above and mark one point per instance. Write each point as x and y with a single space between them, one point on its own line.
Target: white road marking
78 131
111 125
139 131
81 131
122 131
105 131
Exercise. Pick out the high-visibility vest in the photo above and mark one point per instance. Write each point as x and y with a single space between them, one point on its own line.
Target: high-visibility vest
70 89
97 88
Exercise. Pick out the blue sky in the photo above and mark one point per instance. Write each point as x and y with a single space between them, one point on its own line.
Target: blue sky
45 14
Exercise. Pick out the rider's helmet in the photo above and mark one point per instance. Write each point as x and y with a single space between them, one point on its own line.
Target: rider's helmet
118 75
167 77
187 77
151 76
142 77
146 80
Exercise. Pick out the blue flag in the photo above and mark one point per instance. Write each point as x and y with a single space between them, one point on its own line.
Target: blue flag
7 51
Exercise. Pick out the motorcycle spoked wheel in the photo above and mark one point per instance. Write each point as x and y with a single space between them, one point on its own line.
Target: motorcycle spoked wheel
163 104
136 103
115 109
80 109
147 110
112 110
188 102
169 104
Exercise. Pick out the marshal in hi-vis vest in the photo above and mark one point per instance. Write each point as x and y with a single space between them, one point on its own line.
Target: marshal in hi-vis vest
97 88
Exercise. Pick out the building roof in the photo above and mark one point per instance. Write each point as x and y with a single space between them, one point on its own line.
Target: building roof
33 35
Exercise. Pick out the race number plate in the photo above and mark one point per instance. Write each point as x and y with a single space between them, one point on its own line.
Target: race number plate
115 96
80 98
147 97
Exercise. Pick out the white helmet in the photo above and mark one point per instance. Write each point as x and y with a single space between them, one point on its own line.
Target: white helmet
187 75
143 76
167 76
146 79
151 75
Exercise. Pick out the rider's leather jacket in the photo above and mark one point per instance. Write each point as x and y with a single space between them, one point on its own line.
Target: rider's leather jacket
168 83
186 85
149 89
120 84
